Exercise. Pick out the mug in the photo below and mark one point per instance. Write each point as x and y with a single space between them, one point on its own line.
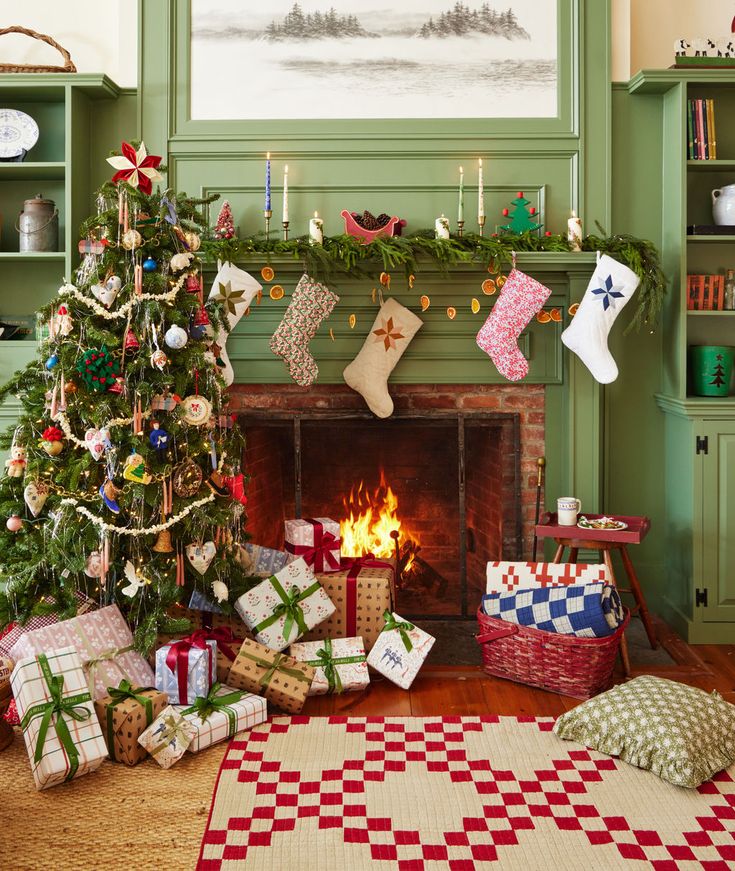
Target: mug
567 509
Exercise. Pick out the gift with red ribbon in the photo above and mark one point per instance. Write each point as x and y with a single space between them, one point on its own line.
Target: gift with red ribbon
187 668
227 646
317 540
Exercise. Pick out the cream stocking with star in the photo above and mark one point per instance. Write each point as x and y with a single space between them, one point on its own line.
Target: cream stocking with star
611 286
394 328
235 289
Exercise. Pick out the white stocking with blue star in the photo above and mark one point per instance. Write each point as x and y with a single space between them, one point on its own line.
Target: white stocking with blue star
610 288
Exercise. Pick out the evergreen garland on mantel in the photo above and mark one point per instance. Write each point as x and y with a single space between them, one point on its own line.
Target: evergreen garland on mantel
350 256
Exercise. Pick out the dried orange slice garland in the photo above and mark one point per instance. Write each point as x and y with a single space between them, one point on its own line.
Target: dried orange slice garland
385 279
475 305
488 287
277 292
451 312
352 320
267 273
543 317
425 303
573 309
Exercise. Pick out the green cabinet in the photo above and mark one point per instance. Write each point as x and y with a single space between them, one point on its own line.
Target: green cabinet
716 596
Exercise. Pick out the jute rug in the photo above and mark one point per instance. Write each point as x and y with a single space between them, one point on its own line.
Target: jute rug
457 793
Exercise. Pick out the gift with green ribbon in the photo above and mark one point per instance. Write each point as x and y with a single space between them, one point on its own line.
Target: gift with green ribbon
401 625
280 678
125 713
300 604
324 656
168 737
398 655
61 733
221 714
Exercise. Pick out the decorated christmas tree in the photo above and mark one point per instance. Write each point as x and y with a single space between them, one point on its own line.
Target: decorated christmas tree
126 485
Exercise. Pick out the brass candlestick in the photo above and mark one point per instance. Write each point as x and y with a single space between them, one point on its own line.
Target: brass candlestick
285 231
267 214
481 222
460 228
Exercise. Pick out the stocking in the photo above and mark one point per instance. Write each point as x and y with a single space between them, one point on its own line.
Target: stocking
611 286
521 298
311 303
368 373
235 289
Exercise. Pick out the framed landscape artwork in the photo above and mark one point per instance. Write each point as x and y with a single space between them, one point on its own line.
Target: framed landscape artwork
370 59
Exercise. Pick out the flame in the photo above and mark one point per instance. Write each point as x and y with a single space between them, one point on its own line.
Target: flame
372 519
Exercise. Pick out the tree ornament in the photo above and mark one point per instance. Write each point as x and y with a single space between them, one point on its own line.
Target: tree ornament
131 341
225 226
158 437
97 441
93 565
236 488
16 463
52 361
193 284
201 555
166 401
175 337
106 291
216 483
52 441
98 369
109 493
187 478
159 359
150 264
70 387
181 261
169 208
14 523
521 219
35 495
61 323
135 471
163 542
192 240
118 387
136 581
235 289
137 168
195 410
220 591
131 239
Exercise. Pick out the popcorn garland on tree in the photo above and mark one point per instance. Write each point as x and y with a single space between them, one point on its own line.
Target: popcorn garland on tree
109 463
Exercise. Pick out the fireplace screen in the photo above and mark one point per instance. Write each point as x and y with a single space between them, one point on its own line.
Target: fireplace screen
441 492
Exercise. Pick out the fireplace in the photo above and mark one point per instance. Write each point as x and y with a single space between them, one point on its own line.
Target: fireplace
450 473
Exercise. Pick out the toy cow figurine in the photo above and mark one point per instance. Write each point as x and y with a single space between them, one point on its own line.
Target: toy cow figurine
681 48
702 46
726 47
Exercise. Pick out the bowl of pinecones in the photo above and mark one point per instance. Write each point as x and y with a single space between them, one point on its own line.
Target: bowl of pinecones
367 227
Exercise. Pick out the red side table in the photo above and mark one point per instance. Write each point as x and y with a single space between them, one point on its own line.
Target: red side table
605 541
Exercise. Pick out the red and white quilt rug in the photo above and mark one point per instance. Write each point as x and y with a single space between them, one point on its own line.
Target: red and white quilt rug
452 792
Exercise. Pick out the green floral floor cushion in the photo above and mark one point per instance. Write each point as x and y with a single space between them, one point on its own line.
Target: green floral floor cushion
682 734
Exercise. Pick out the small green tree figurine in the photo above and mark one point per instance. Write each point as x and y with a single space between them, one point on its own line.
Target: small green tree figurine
521 218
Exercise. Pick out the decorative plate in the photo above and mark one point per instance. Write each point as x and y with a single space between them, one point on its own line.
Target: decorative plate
602 523
18 132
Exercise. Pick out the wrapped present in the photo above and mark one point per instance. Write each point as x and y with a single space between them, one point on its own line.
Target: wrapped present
104 642
281 679
227 646
340 663
186 668
221 714
227 630
12 633
400 650
200 602
284 607
264 560
361 591
60 727
124 714
168 737
316 540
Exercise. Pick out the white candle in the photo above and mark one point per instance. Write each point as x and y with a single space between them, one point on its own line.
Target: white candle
441 228
316 230
480 193
285 194
460 210
574 232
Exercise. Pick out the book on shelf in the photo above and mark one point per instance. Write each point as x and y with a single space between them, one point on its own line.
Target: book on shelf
701 130
710 229
705 292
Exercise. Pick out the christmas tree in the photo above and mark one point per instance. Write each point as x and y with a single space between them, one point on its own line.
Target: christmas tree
225 226
521 218
126 484
719 373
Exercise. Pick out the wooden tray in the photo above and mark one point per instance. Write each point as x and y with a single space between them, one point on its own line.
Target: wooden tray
635 533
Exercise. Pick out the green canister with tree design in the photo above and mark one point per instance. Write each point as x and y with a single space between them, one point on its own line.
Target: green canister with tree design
711 369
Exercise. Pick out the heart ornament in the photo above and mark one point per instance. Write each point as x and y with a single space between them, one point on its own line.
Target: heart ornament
106 291
35 495
201 555
96 440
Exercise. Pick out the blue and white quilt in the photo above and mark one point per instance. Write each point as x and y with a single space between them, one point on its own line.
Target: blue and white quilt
585 610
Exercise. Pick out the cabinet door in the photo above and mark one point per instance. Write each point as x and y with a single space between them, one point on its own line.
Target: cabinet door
718 522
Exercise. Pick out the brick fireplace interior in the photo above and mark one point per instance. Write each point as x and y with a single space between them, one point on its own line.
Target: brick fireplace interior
460 462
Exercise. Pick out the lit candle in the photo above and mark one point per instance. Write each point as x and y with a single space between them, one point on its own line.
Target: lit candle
441 228
480 193
460 210
285 194
316 230
574 232
268 182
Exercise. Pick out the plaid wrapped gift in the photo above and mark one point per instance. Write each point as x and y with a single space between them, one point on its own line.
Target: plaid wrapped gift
584 610
168 736
507 577
60 728
266 561
280 678
316 540
186 668
282 608
222 714
12 633
361 591
124 715
400 650
104 642
340 663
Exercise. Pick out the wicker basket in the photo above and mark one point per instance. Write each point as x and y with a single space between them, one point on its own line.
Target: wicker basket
565 664
37 68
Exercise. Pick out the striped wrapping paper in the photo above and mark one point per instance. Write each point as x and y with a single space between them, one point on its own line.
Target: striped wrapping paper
30 688
340 663
221 725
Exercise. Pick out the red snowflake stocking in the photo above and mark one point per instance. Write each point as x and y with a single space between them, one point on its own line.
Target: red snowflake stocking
521 298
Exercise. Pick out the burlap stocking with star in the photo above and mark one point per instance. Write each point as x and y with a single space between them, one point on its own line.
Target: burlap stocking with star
235 289
392 332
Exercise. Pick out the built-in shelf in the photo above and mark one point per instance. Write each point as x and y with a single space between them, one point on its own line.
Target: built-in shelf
715 313
710 238
711 165
32 255
43 171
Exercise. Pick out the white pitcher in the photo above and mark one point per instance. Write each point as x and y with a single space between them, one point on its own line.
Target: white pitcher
723 205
